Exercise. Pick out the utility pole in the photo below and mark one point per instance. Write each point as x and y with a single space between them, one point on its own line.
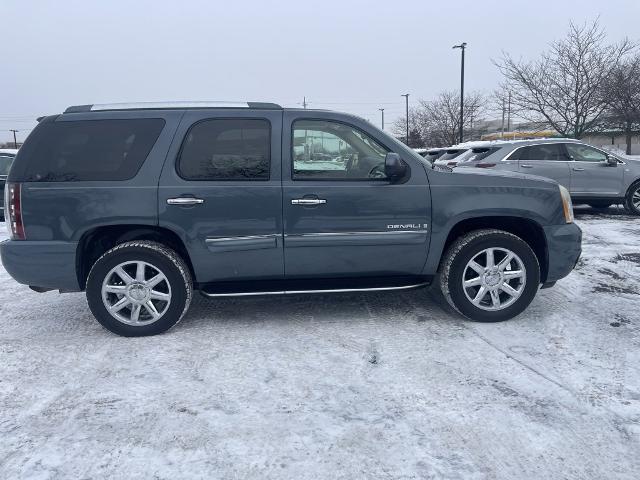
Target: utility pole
503 112
304 102
509 113
406 97
382 112
462 47
15 142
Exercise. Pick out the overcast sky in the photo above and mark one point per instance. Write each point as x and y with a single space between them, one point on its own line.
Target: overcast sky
355 56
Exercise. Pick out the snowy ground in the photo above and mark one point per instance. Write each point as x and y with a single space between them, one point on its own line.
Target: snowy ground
356 386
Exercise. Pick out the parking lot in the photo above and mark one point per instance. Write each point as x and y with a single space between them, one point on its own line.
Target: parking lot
380 385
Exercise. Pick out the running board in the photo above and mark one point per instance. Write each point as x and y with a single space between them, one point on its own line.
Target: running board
249 289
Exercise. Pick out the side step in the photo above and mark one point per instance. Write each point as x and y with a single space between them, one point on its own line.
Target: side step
296 287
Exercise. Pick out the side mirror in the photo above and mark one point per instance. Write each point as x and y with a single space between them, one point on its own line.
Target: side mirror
394 167
612 161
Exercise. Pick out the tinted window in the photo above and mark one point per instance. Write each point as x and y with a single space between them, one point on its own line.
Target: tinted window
86 150
332 150
226 149
549 151
584 153
5 163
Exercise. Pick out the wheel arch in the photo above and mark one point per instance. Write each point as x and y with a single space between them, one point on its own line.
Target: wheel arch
528 230
95 242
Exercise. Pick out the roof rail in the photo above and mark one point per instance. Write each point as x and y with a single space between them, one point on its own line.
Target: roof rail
169 105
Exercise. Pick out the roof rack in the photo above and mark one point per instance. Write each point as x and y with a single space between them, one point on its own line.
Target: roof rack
169 105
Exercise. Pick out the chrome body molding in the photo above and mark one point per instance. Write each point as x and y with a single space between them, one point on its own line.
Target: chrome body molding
330 239
249 242
297 292
337 239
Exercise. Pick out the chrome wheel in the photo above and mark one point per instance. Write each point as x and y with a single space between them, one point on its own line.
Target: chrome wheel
494 279
136 293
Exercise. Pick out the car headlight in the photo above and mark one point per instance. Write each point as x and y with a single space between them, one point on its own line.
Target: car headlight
567 205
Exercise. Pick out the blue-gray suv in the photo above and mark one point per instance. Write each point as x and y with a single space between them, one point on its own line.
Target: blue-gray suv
141 204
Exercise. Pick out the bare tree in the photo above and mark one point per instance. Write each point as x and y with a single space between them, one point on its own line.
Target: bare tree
564 87
622 94
440 118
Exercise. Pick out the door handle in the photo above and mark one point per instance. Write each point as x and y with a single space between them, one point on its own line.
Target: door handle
185 201
576 169
308 201
526 166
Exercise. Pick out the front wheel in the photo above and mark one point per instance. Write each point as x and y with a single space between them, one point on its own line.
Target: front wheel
632 199
139 288
489 275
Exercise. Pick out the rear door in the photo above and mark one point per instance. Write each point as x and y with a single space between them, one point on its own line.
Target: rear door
220 190
546 160
591 174
343 217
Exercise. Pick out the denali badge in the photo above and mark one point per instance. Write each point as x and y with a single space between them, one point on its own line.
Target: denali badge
407 226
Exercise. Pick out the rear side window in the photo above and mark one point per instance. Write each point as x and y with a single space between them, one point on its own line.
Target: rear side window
226 149
549 151
88 150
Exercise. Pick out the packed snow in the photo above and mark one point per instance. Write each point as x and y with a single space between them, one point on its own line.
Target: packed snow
354 386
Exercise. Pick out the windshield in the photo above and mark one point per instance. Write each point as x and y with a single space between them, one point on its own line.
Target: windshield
434 155
451 154
5 163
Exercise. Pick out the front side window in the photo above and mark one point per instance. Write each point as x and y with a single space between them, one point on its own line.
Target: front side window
335 151
584 153
226 149
549 151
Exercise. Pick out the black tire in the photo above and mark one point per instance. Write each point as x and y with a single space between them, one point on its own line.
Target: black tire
463 250
600 204
629 199
157 256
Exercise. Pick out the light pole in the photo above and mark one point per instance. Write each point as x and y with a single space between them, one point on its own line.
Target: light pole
462 47
406 97
382 112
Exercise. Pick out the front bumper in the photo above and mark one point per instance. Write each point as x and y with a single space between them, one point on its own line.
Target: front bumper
50 265
564 246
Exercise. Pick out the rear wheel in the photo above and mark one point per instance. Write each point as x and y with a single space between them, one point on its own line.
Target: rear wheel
489 275
632 199
139 288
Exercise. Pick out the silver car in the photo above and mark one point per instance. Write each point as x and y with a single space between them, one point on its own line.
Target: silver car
592 176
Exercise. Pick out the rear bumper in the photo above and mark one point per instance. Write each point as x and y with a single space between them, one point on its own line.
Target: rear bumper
50 265
564 246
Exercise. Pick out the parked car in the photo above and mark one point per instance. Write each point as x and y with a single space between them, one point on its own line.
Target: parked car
592 176
139 205
6 159
431 154
457 154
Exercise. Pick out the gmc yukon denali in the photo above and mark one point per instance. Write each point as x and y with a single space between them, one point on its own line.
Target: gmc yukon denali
139 205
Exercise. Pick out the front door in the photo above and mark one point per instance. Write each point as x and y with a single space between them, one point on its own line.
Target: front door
591 174
220 191
342 216
546 160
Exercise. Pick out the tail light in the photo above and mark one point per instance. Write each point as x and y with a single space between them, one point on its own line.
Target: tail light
485 165
13 211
